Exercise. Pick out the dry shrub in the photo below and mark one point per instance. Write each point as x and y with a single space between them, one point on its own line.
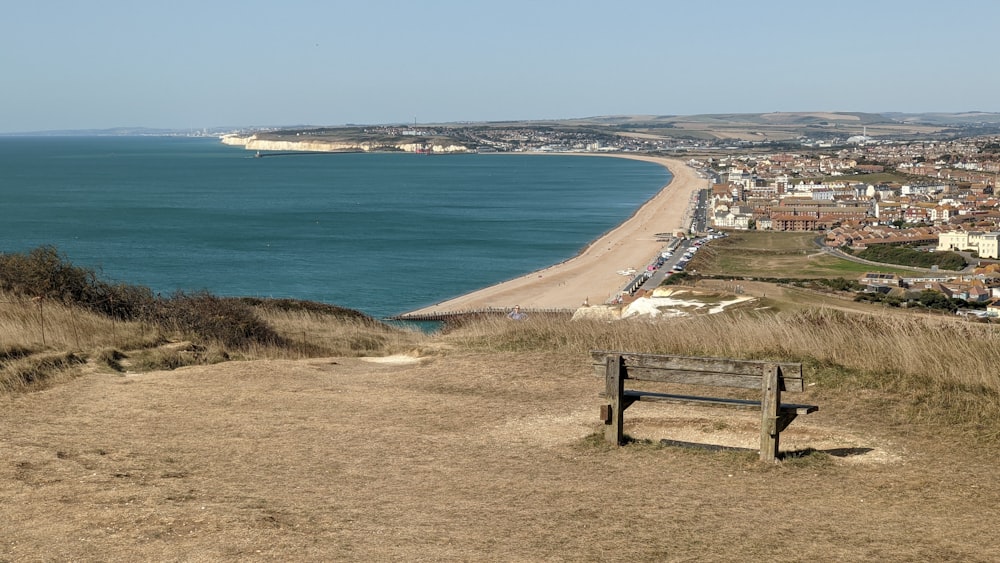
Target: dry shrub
43 272
227 321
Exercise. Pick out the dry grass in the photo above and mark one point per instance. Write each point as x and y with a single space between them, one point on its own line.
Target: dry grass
947 350
40 340
939 369
51 324
31 331
311 334
483 444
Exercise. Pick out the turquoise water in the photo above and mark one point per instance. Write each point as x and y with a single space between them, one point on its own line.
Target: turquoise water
381 233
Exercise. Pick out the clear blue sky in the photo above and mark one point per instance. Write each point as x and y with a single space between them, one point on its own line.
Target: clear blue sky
207 63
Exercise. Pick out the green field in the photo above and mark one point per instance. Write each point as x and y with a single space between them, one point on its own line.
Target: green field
771 254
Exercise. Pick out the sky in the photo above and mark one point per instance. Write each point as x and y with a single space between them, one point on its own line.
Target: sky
197 64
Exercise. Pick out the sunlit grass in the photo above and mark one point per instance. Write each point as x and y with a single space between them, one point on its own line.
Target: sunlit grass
939 368
770 254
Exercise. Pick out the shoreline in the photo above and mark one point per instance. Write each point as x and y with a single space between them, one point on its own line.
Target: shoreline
591 275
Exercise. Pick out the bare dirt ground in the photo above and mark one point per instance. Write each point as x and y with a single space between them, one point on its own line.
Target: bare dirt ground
461 457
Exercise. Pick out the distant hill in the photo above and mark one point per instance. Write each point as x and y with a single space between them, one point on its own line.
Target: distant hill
966 118
786 126
772 126
801 118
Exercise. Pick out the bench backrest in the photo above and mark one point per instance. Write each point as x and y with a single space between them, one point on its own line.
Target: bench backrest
688 370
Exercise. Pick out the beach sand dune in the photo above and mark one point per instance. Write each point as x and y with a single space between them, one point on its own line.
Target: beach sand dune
592 275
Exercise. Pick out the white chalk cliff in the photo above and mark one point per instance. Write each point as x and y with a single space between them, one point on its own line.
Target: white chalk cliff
252 143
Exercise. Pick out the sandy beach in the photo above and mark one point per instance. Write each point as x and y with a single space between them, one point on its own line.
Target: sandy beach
592 275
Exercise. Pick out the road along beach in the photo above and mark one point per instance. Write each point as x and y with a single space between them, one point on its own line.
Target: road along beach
592 276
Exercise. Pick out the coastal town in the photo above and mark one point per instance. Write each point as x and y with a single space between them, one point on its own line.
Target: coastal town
932 197
861 192
902 185
928 190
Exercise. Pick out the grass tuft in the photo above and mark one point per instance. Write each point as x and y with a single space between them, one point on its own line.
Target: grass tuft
112 358
36 370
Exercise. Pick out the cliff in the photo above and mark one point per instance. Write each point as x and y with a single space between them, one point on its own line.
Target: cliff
253 143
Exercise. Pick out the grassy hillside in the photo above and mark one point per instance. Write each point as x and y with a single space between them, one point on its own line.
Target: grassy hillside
55 316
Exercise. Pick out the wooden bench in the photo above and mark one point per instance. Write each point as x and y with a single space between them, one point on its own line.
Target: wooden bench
771 378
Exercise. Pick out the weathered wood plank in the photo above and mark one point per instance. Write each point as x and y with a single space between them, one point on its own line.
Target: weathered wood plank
712 379
722 365
718 365
792 408
723 372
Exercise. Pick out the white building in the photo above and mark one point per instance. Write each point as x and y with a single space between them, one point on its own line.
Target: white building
986 245
732 218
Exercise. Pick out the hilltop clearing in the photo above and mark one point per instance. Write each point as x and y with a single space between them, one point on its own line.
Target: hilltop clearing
457 457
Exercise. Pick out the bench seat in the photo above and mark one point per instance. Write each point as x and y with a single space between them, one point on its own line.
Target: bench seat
716 401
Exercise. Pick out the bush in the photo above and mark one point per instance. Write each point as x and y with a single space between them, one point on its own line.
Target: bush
907 256
43 272
225 320
122 301
840 284
679 278
205 319
297 306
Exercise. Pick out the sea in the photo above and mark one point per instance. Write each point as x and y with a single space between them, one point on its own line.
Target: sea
382 233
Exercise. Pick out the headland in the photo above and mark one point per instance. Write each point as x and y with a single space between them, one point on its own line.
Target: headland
592 275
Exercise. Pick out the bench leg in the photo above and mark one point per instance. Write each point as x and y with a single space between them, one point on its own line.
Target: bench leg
614 388
769 424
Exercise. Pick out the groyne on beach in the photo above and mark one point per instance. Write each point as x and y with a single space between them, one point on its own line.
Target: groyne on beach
592 276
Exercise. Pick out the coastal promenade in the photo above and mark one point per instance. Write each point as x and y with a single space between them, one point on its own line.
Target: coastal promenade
592 276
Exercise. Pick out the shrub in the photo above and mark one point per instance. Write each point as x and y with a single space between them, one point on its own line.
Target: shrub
122 301
43 272
297 306
228 321
907 256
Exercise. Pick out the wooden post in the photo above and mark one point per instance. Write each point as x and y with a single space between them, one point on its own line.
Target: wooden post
614 389
41 319
770 401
